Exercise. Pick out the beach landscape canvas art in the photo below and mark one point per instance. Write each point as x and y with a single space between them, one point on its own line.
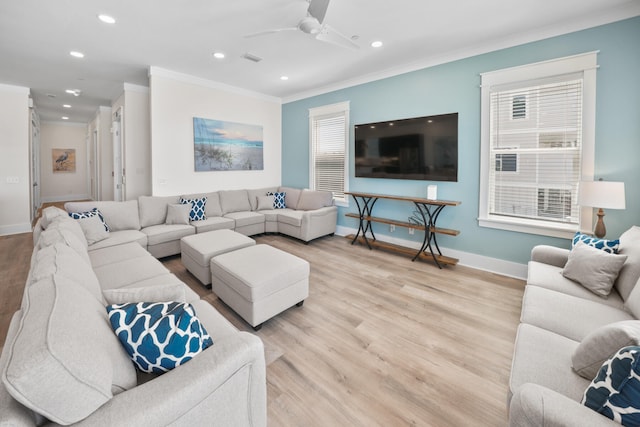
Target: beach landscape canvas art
226 146
63 160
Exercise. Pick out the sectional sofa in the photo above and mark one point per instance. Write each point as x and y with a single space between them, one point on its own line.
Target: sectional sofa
63 364
570 327
305 215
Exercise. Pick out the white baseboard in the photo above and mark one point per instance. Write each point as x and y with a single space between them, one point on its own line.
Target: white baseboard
65 198
468 259
6 230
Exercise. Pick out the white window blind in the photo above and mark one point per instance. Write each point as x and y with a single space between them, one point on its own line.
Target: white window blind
328 150
538 143
546 141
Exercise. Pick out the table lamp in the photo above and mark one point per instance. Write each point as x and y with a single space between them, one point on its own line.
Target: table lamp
601 194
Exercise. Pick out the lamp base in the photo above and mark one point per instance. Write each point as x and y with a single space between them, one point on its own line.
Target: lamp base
600 231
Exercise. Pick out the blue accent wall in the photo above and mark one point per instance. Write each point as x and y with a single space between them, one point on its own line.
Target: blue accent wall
455 87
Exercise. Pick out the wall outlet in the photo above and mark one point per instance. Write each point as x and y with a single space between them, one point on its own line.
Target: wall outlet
392 228
13 180
412 231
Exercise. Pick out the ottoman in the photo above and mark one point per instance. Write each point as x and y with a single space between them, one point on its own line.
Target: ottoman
198 249
259 281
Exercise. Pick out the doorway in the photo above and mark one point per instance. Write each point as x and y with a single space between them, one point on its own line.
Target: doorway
118 157
35 164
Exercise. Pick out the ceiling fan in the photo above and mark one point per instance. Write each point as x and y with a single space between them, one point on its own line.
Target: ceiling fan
314 25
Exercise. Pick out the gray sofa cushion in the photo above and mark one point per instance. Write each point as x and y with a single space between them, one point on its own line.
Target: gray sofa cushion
234 201
213 223
61 259
128 272
603 343
629 246
153 209
63 336
121 237
550 277
291 197
246 218
161 292
49 213
55 234
593 268
117 215
543 357
566 315
632 304
114 254
311 200
157 234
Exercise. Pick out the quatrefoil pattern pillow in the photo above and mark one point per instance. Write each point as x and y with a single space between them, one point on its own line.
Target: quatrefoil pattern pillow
615 391
197 212
158 336
278 200
89 214
610 246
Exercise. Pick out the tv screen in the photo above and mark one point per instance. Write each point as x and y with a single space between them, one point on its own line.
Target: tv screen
422 148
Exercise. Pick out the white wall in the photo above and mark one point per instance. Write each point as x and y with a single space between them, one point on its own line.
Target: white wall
63 186
14 160
137 139
175 100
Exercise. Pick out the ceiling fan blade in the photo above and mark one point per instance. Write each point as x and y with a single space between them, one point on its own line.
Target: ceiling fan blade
331 35
318 9
262 33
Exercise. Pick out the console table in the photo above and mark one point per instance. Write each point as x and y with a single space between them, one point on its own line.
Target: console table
428 209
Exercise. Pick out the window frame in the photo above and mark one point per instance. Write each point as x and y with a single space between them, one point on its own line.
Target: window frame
340 108
523 76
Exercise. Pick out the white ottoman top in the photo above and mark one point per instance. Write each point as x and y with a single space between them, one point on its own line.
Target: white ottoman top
202 247
256 272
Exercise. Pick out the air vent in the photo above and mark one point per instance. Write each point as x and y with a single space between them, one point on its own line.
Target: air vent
251 57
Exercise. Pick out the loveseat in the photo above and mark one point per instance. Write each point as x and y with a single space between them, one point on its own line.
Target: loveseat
304 215
63 364
570 327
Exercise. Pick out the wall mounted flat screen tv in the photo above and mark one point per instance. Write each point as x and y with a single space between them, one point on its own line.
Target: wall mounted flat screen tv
421 148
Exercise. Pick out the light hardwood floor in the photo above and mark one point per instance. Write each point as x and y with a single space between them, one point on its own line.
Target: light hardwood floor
381 340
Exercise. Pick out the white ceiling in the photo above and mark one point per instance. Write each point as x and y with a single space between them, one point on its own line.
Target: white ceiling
37 35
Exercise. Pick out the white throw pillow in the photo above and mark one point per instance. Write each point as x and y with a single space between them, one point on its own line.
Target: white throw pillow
265 202
594 269
93 229
178 213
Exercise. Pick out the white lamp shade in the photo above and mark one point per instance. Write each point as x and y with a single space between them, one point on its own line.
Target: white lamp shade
601 194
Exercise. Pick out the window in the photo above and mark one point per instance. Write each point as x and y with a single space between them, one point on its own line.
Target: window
506 163
519 107
537 120
328 128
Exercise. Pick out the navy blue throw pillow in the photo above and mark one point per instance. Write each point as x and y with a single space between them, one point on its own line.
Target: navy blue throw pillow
158 336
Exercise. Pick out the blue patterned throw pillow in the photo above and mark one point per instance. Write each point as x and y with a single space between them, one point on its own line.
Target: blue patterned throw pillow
615 391
278 200
610 246
197 208
89 214
158 335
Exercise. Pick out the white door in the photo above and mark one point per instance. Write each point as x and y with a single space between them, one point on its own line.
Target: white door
118 161
35 164
93 165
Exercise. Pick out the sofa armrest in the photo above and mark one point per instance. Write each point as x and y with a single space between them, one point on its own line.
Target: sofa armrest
535 405
225 385
550 255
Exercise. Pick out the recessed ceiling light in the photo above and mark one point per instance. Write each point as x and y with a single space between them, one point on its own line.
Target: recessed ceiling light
376 43
219 55
76 54
107 19
74 92
65 118
284 77
66 105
